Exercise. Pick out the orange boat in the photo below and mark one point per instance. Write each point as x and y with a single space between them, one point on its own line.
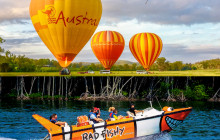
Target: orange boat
151 121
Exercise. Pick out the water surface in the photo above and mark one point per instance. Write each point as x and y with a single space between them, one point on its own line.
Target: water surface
16 120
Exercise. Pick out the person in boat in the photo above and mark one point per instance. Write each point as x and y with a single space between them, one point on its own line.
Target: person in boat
53 119
114 115
110 110
93 116
98 113
132 111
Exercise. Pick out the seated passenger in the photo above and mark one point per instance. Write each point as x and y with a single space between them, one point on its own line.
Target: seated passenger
93 116
110 110
98 113
114 115
53 119
132 111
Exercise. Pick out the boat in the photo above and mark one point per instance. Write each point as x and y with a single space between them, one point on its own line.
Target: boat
150 121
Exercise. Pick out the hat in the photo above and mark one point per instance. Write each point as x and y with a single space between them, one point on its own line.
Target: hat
95 108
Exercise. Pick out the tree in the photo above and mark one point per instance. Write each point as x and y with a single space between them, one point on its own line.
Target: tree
126 67
162 64
177 66
92 67
205 64
1 50
1 41
4 67
134 66
187 66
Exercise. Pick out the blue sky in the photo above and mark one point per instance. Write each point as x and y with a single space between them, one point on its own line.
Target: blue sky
190 29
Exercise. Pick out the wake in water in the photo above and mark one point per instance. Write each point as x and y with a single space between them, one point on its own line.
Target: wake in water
161 136
6 138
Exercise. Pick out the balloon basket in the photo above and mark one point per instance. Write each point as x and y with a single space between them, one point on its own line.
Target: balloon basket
65 71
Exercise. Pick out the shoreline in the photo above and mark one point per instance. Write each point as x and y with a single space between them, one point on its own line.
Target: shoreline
88 99
190 73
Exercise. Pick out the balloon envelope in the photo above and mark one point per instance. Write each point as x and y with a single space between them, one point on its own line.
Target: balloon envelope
146 48
65 26
107 47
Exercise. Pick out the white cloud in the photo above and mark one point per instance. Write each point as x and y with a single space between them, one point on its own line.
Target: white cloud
14 10
162 11
190 29
155 11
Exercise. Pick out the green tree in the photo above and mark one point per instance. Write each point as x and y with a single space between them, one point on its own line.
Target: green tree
139 67
205 64
4 67
1 50
154 67
197 92
177 66
25 64
200 92
92 67
162 64
187 66
1 41
126 67
134 66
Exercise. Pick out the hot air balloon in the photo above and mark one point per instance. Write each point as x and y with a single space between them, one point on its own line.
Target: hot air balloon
107 47
146 48
65 26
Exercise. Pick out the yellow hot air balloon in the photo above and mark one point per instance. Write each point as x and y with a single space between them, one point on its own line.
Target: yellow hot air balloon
65 26
146 48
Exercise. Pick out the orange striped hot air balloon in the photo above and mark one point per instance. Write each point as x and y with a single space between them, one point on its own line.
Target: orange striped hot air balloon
146 48
107 47
65 26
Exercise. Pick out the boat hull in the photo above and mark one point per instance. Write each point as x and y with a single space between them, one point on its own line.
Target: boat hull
127 128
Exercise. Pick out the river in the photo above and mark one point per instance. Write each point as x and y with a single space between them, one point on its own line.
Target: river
16 120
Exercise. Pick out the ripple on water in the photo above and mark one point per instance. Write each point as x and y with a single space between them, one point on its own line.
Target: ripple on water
161 136
16 120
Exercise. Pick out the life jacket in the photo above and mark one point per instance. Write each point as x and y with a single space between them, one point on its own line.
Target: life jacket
54 121
82 121
91 113
110 114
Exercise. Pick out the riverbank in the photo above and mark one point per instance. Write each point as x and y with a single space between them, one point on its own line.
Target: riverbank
199 73
88 99
111 88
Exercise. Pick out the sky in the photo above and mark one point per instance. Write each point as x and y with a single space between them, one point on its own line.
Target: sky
189 29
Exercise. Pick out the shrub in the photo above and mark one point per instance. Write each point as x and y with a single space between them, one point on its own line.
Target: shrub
188 93
58 96
125 93
76 97
35 95
176 92
144 93
200 92
13 94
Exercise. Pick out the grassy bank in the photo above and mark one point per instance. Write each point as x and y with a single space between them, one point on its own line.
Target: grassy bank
121 73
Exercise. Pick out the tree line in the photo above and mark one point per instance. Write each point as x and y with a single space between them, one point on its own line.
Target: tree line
12 63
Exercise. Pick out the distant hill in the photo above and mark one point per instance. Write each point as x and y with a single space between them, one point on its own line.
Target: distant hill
119 62
122 62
